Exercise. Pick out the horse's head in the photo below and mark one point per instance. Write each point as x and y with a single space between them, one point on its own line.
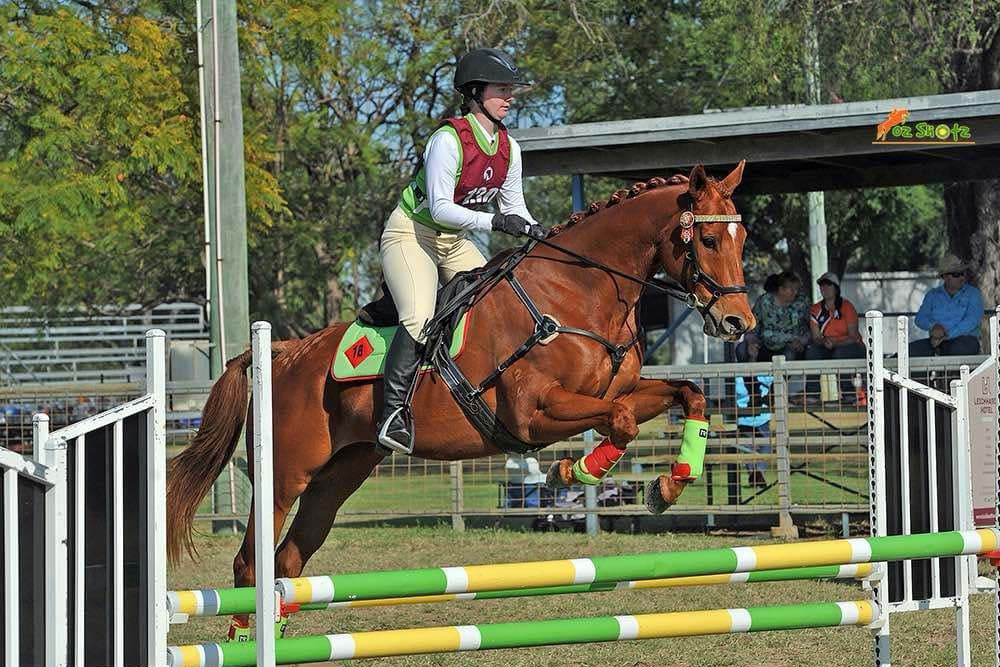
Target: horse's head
702 249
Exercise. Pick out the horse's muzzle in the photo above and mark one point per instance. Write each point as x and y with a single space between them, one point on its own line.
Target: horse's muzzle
730 328
733 327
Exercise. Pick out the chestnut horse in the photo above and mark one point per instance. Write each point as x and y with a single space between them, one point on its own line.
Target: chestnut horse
324 431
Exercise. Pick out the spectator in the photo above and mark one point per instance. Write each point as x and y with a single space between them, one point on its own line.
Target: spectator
748 348
833 324
772 283
951 313
781 314
754 418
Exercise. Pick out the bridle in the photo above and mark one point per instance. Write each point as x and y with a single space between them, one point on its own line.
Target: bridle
689 219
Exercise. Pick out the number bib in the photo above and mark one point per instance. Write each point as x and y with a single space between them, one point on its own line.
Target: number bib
482 174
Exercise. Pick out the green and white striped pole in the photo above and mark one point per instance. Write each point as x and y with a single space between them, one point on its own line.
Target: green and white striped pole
606 570
609 569
225 602
858 571
529 633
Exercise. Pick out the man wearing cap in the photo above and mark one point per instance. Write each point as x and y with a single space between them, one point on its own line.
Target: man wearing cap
951 313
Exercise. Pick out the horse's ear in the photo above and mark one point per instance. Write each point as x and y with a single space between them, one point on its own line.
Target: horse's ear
698 182
729 183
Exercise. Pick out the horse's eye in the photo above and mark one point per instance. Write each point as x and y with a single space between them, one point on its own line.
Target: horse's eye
710 242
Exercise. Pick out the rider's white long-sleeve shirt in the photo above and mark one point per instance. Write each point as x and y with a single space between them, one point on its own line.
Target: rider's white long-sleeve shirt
441 165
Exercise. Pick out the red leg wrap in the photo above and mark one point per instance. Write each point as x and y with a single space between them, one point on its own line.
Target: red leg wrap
239 630
604 457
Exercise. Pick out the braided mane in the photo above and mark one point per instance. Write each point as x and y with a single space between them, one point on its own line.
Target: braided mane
619 195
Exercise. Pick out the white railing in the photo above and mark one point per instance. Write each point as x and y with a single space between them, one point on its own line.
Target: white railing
43 471
59 464
948 453
263 493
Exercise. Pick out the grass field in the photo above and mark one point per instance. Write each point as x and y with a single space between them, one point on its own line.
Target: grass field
923 639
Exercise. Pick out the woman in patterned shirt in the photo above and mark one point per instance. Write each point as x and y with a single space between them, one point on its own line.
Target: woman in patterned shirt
782 319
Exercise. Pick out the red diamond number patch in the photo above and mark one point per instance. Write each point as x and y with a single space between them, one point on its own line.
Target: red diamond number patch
359 351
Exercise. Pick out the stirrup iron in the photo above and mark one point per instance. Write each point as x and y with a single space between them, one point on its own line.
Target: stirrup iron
390 444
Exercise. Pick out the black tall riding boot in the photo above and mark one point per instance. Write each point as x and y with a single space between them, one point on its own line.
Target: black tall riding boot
395 429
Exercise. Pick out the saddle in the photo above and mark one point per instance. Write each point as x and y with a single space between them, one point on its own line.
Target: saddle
361 352
382 312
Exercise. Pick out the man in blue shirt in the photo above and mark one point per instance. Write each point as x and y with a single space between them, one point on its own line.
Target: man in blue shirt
951 313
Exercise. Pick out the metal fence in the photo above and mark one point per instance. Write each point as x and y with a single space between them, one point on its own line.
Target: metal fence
797 449
103 348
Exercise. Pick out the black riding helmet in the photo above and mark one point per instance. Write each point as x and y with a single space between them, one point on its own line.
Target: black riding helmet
482 66
487 66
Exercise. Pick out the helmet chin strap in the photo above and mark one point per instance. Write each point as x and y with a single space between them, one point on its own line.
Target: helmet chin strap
478 97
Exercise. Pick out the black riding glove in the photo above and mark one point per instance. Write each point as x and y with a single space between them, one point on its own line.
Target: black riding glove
515 225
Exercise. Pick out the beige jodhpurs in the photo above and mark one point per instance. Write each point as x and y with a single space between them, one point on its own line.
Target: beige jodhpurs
414 259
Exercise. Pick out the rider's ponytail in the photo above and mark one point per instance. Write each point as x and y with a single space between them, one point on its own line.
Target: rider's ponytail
470 92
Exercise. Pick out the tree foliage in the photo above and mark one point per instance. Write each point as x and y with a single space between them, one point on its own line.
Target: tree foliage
99 160
100 174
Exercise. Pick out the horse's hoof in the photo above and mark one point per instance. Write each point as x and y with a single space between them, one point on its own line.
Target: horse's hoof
655 502
560 474
659 502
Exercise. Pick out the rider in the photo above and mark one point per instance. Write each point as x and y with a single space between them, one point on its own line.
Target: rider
469 163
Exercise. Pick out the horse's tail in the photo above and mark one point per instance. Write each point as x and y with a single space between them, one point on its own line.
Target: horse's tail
194 470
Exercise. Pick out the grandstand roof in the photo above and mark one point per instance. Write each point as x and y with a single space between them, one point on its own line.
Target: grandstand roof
788 149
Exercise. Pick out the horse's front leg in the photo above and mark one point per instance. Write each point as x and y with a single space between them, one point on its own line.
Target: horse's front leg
653 397
566 413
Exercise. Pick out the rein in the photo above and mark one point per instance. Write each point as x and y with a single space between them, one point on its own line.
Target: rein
692 266
675 291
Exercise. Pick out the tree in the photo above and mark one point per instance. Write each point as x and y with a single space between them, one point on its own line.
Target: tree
100 184
345 96
728 53
100 179
965 52
99 159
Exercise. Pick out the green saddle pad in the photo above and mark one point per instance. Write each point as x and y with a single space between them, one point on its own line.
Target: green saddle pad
361 351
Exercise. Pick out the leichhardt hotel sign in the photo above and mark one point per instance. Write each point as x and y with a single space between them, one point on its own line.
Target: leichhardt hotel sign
983 442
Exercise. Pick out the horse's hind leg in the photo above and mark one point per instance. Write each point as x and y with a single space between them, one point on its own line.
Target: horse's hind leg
288 486
244 565
319 504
